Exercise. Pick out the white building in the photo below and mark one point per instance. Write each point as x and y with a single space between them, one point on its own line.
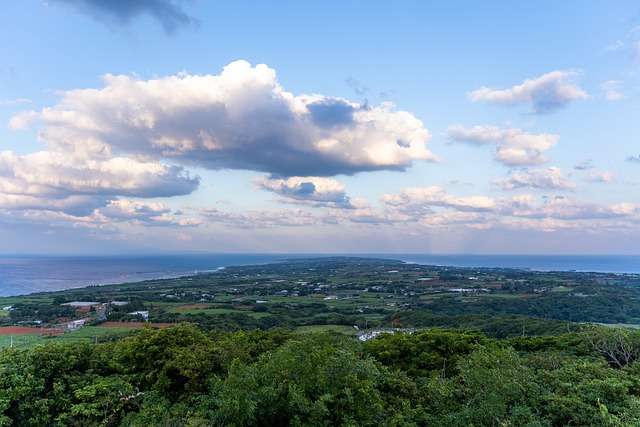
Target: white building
76 324
142 313
78 304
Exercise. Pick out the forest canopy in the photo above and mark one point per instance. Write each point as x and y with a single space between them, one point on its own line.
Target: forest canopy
184 376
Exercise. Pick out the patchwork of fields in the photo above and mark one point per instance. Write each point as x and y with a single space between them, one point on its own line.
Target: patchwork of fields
343 295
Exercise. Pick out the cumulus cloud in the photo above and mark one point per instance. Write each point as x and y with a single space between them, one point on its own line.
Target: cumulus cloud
424 198
317 191
514 147
260 218
564 208
612 90
168 13
58 182
90 212
55 174
23 120
135 138
72 205
605 177
142 212
434 207
551 178
545 93
239 119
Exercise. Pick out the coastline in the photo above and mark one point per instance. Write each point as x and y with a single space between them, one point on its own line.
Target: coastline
54 279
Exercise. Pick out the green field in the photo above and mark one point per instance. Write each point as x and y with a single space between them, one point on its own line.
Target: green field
341 329
20 341
88 334
222 311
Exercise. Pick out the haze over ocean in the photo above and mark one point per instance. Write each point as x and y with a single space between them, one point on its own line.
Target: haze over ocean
27 274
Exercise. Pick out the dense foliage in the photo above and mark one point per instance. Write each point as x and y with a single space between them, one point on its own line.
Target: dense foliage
183 376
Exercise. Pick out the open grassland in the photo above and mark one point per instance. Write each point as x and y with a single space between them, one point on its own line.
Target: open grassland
340 329
89 334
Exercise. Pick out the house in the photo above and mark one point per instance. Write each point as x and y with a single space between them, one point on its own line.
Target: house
76 324
142 313
78 304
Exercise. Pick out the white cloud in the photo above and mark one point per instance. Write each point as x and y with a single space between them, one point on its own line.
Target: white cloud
316 191
545 93
128 139
56 181
612 90
424 198
563 208
23 120
260 218
71 205
551 178
514 147
142 212
433 207
240 119
54 174
605 177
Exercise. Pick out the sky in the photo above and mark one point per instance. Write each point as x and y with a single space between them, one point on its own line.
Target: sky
153 126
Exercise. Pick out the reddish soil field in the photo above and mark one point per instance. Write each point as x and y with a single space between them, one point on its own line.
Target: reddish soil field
135 325
19 330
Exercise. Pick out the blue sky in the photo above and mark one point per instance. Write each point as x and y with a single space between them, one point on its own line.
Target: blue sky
371 127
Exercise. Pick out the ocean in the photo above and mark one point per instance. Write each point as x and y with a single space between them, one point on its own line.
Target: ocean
21 275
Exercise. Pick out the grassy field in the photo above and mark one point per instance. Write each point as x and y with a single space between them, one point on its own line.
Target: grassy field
341 329
88 334
218 311
20 341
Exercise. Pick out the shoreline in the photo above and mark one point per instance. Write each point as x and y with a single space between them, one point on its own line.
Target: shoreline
405 259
